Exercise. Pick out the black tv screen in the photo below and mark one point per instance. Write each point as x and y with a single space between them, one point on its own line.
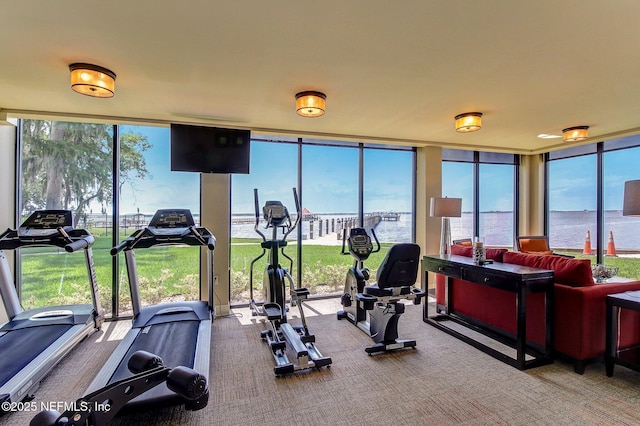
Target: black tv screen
209 149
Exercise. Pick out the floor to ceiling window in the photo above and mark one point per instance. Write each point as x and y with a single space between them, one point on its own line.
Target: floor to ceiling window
497 198
65 166
71 166
274 173
457 182
585 196
330 182
388 199
486 183
166 273
341 185
572 202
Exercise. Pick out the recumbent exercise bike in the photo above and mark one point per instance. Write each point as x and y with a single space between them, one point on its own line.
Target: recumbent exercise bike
376 309
275 282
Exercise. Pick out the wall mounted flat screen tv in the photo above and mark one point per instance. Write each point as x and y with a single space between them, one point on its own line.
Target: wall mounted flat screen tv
209 149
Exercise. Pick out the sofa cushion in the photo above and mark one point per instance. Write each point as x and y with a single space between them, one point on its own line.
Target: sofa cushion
490 253
571 272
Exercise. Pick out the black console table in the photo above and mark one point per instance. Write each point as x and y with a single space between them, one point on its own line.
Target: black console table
521 280
628 357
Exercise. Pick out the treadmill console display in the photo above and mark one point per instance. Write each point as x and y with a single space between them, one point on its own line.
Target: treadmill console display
46 222
172 218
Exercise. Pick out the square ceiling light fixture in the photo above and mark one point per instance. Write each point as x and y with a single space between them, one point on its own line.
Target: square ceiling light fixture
310 104
92 80
468 122
575 134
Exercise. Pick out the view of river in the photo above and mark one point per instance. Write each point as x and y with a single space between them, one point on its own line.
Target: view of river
568 228
394 231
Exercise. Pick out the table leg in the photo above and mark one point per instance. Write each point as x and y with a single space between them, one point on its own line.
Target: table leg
612 326
549 322
521 338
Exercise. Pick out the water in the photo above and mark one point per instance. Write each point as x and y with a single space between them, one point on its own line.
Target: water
568 229
388 231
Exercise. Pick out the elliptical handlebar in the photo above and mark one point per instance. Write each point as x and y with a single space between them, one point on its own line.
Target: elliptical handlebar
298 215
344 240
257 207
288 228
375 237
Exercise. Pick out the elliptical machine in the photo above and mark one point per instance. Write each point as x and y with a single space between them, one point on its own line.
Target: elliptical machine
275 281
376 309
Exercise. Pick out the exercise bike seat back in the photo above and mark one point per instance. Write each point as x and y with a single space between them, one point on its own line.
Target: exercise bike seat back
397 272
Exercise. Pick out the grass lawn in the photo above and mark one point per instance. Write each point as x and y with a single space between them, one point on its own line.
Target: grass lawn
52 277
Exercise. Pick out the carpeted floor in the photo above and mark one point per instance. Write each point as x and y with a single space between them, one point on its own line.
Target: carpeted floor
443 381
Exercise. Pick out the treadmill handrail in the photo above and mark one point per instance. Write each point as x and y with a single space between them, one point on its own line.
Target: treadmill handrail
145 238
11 239
79 244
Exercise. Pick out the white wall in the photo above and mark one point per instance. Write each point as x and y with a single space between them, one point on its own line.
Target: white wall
7 187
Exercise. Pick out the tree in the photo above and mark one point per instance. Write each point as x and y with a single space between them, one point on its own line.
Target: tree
70 165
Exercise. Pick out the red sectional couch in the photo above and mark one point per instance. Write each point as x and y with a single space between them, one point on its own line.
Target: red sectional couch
579 320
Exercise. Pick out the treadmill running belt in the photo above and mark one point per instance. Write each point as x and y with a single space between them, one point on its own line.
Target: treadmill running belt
18 348
174 342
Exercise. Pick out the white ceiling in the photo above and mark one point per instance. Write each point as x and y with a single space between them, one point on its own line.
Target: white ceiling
393 71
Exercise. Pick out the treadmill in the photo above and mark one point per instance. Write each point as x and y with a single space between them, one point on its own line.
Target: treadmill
32 342
177 332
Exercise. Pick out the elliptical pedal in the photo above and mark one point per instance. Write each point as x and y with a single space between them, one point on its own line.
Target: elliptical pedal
273 311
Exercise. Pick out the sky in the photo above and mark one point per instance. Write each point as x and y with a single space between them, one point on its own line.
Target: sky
574 179
162 188
330 180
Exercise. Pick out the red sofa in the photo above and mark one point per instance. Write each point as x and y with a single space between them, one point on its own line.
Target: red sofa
579 320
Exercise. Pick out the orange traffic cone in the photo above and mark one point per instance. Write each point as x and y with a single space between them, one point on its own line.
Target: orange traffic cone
611 247
587 244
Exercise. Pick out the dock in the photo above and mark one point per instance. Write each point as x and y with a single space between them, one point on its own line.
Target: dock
390 216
